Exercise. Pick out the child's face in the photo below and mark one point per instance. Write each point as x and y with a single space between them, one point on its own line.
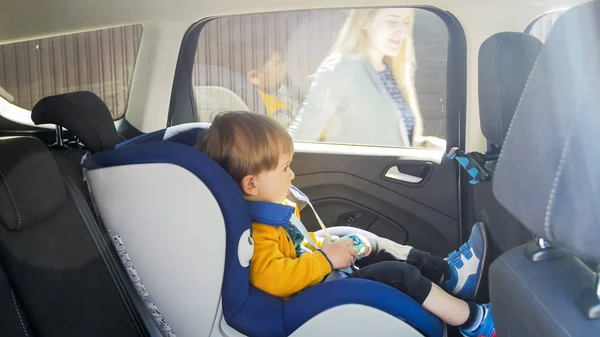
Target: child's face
271 186
271 75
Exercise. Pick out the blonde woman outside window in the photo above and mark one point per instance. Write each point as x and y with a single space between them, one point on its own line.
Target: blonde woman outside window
363 92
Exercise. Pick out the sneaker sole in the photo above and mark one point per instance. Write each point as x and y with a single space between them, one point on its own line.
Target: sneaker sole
483 230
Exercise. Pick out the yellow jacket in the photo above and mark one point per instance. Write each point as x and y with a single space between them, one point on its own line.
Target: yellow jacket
275 267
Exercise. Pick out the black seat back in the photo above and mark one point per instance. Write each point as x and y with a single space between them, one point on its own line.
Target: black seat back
505 61
547 177
14 322
50 258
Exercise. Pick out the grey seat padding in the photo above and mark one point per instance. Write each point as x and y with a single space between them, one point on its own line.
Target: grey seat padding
547 175
537 299
548 178
505 61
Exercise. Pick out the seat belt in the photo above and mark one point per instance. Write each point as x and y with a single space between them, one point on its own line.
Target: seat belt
144 323
302 200
300 196
298 224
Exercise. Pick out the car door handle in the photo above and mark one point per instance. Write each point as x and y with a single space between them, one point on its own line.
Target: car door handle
412 174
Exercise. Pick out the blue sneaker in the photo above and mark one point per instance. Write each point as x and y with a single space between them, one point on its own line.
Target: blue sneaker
486 326
466 265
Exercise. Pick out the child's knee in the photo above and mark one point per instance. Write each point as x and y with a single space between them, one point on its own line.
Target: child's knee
407 272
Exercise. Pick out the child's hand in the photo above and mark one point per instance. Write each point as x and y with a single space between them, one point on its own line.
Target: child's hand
341 253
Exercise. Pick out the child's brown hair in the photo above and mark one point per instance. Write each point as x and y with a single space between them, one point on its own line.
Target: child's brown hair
245 143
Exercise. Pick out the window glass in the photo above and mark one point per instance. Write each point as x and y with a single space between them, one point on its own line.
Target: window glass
542 26
100 61
368 77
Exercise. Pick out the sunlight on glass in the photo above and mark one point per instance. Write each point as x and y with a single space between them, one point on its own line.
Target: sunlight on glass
368 77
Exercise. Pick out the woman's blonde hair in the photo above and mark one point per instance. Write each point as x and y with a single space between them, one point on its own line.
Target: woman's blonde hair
352 42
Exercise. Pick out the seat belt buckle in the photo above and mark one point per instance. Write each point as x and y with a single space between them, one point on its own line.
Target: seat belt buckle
473 163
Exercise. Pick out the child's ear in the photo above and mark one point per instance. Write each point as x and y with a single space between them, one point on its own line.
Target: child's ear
253 77
249 185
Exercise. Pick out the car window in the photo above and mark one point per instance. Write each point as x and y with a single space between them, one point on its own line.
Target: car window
100 61
368 77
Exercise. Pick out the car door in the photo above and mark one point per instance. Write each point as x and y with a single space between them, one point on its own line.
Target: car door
409 195
405 195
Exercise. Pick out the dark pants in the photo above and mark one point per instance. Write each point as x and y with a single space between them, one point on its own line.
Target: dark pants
412 276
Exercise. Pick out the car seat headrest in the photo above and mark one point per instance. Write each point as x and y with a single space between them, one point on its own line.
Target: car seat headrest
31 186
548 172
84 114
505 61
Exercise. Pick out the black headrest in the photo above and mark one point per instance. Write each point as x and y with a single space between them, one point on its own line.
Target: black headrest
84 114
548 174
31 186
505 61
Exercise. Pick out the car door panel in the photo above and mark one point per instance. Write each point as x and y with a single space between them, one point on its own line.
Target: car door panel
353 190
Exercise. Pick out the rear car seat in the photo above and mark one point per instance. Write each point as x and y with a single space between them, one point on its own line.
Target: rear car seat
87 117
60 276
49 256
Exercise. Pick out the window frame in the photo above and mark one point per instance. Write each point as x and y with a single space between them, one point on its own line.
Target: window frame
182 107
534 21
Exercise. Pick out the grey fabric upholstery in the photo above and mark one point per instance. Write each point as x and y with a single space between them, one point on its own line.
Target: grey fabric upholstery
538 299
504 230
505 61
547 174
547 177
